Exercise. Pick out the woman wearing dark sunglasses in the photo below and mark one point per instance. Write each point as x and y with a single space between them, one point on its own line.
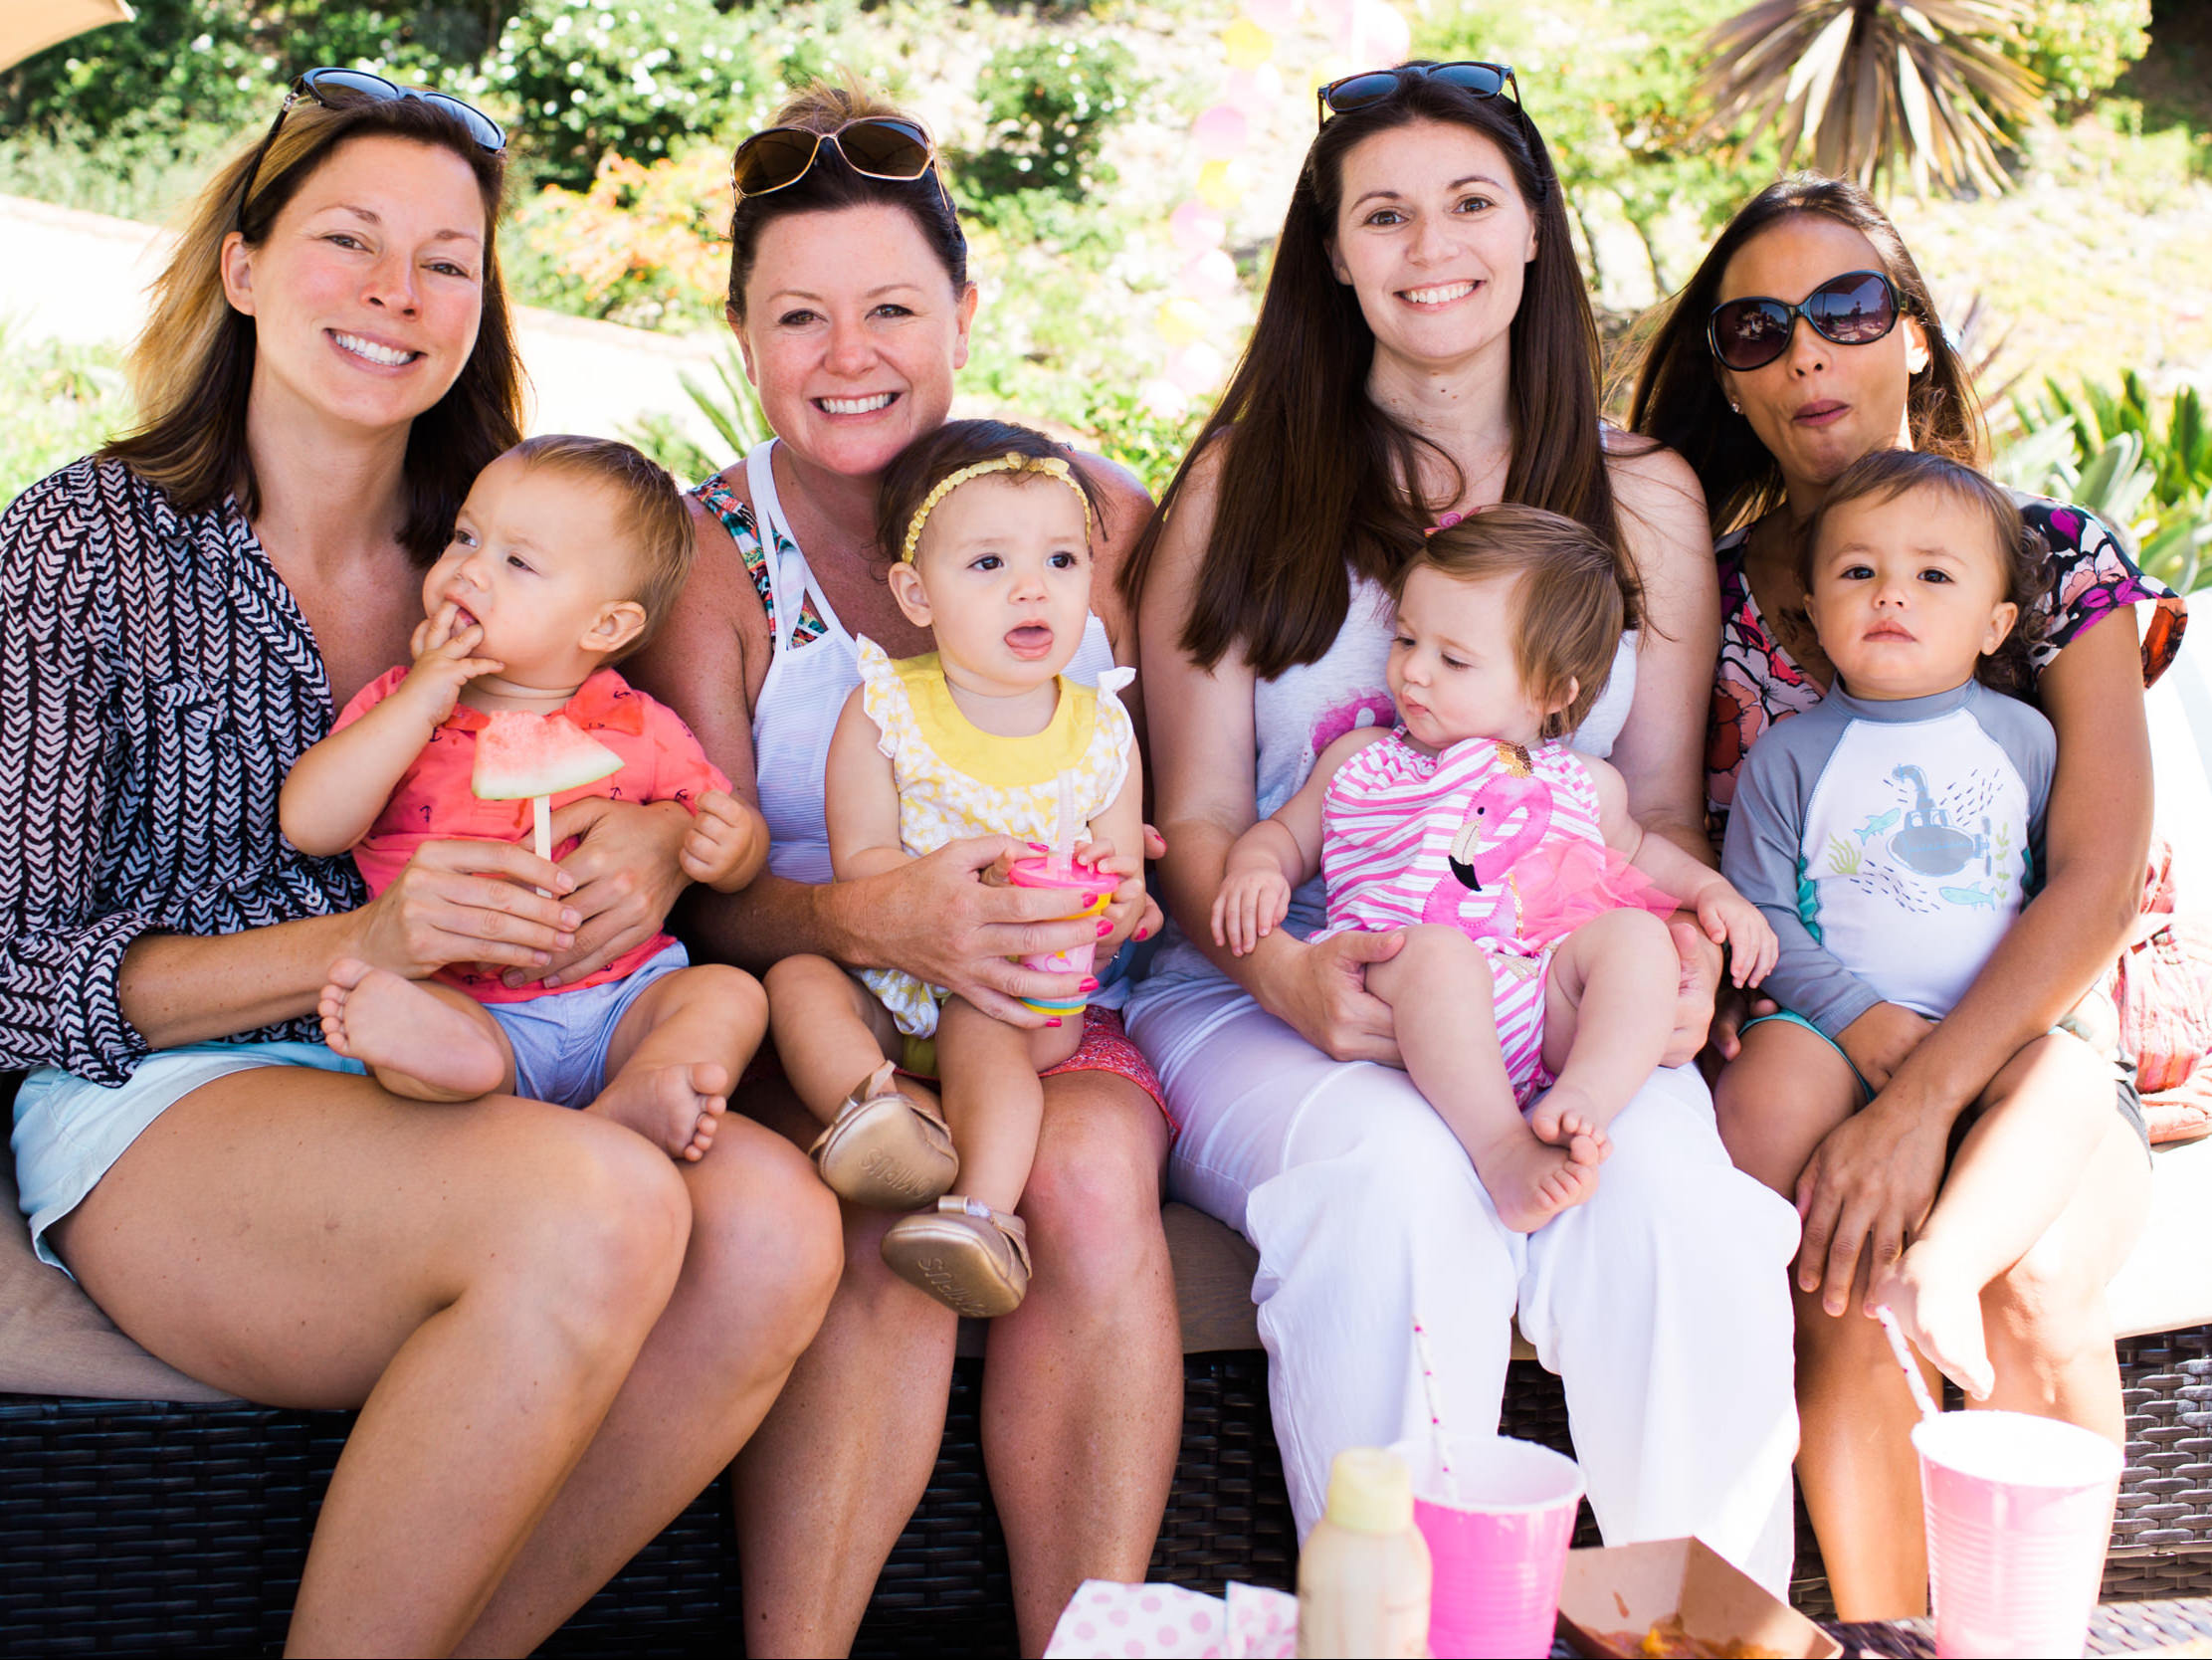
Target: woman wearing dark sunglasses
850 299
1426 350
1804 341
555 1336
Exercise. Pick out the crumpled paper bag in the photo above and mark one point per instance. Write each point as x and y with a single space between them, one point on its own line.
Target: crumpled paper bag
1106 1621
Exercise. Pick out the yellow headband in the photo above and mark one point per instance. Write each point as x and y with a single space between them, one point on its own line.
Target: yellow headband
1013 461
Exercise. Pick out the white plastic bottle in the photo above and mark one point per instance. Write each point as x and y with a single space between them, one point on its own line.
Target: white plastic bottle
1364 1574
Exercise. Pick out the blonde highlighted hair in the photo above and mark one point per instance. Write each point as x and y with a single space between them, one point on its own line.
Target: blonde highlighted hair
192 368
1572 598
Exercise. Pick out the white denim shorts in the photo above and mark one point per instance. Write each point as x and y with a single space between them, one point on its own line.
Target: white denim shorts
68 1133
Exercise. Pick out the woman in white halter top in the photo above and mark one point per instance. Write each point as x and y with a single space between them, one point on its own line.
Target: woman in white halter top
1425 322
850 298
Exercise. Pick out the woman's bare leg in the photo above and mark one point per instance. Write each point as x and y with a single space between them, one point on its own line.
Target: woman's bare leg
826 1485
1082 1396
1776 1102
476 1278
1082 1410
761 1264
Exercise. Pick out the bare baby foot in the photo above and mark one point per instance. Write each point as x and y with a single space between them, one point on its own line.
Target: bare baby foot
676 1107
1939 1310
1531 1182
418 1043
1563 1117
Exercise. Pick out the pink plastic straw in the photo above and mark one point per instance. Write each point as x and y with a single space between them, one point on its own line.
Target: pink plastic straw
1907 1364
1436 1419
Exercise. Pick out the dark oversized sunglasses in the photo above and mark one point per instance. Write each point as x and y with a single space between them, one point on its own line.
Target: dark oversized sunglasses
1856 308
336 89
875 147
1372 87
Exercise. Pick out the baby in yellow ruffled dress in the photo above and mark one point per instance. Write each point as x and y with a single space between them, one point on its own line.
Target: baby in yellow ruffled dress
993 533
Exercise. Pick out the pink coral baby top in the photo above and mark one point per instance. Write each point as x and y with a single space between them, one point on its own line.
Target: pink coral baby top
661 761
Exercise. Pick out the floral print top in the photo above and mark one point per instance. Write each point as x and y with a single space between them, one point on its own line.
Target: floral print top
2087 576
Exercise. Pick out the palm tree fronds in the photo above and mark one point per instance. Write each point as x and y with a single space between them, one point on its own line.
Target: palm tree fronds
1872 86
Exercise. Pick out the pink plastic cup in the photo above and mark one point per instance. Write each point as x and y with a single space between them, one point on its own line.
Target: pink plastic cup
2019 1513
1499 1550
1096 888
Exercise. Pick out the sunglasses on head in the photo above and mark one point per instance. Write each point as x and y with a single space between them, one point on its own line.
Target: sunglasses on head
338 89
874 146
1372 87
1856 308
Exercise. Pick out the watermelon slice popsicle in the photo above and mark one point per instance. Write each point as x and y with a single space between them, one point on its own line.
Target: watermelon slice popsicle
523 756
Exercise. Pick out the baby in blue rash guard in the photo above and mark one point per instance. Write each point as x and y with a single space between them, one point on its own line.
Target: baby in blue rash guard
1890 835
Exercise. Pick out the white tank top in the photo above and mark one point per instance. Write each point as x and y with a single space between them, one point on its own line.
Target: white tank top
1310 705
814 668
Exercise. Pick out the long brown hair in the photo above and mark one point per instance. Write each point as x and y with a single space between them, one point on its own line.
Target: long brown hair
192 369
831 183
1681 401
1313 475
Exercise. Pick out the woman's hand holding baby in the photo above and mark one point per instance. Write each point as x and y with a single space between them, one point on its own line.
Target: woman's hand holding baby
623 880
467 902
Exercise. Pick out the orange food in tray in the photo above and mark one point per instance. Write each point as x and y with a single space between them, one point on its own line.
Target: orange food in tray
1667 1640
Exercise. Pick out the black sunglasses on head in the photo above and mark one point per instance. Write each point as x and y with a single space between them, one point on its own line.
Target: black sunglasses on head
1856 308
1372 87
336 89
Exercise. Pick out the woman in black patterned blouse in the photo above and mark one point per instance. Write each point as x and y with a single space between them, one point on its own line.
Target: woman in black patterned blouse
556 1335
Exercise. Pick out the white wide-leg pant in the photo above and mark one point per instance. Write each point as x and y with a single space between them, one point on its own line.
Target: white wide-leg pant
1662 1302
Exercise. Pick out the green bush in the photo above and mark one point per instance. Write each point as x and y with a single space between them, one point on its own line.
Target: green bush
1050 105
56 402
632 76
2141 468
2080 47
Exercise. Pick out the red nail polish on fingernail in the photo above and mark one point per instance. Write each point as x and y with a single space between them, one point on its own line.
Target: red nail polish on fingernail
1054 1021
1088 985
1104 928
1142 934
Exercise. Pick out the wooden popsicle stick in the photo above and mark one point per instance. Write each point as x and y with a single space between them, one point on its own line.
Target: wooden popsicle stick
541 831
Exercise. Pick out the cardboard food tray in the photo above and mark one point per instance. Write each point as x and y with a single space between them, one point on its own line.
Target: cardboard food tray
1631 1587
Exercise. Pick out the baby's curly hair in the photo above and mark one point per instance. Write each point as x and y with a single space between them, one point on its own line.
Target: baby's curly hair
2020 553
1574 597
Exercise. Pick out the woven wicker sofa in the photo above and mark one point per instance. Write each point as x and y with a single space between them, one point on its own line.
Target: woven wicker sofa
179 1520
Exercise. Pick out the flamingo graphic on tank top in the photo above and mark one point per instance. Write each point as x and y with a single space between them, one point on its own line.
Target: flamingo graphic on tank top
1497 840
1507 819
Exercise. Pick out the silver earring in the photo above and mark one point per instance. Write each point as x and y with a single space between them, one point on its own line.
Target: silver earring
1735 407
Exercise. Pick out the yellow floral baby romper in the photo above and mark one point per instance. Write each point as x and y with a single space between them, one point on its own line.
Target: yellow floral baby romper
957 780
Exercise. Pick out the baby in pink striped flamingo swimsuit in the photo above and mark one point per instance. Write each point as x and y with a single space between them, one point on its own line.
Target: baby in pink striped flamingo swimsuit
1509 862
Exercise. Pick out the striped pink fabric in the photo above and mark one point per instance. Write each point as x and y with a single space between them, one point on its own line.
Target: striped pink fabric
1413 838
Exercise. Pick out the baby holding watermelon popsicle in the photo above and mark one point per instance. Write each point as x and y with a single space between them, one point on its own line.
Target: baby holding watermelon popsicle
566 554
